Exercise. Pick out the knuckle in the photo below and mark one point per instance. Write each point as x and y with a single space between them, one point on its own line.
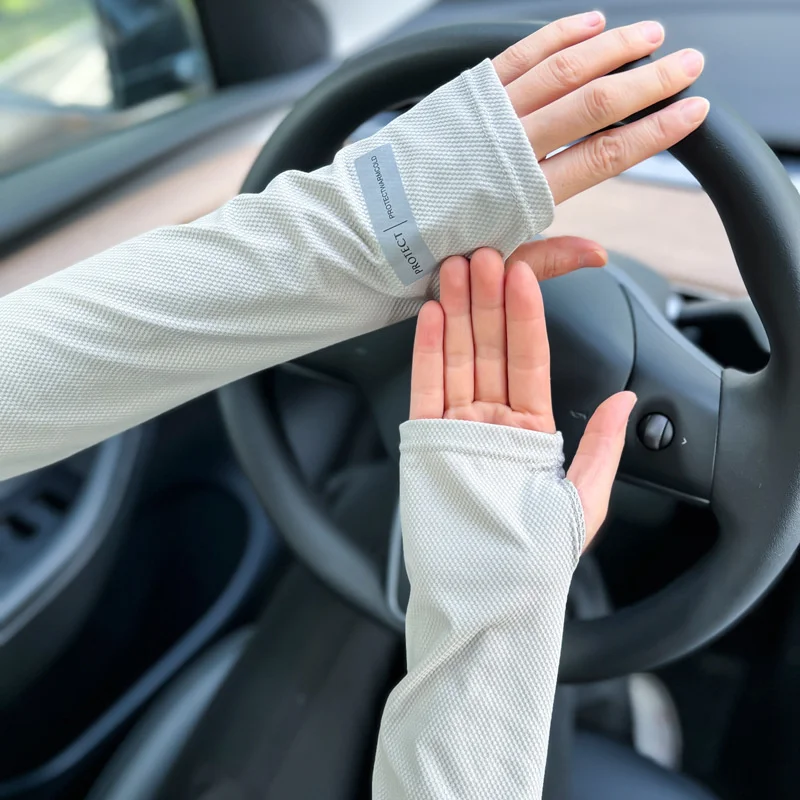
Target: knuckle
561 30
664 78
561 25
566 69
601 102
605 154
659 129
628 41
551 264
518 57
490 351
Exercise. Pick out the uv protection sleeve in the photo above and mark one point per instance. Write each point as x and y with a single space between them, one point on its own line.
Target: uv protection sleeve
130 333
492 532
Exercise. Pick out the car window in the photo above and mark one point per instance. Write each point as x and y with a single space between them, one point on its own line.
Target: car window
71 70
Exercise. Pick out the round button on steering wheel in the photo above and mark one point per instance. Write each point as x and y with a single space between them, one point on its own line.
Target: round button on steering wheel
735 442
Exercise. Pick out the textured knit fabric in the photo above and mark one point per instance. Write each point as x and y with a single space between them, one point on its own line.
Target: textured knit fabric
141 328
492 532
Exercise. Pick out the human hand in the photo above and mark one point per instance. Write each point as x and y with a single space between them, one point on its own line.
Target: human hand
558 83
482 354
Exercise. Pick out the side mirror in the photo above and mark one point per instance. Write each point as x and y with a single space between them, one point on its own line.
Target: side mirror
152 49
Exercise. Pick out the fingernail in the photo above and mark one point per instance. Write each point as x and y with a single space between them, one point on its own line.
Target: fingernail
694 110
593 258
653 31
692 61
593 19
632 398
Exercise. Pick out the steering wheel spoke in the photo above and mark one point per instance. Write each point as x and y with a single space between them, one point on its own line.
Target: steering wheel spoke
672 438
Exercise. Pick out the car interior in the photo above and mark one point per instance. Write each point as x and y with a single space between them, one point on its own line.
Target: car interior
211 605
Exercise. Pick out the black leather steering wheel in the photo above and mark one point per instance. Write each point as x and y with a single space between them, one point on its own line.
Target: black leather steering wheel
736 444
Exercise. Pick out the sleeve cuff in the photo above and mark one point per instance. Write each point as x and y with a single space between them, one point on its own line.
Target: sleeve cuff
540 455
461 163
538 450
514 153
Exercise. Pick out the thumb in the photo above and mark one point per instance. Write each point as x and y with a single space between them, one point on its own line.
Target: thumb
595 464
549 258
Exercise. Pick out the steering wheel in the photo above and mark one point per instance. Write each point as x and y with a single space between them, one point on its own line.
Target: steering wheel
735 437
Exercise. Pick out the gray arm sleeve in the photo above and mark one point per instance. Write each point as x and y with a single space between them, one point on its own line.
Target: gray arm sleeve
141 328
492 532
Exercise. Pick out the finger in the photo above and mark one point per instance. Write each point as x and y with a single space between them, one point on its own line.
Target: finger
549 258
573 67
427 365
459 356
487 278
595 464
608 100
528 348
607 154
528 52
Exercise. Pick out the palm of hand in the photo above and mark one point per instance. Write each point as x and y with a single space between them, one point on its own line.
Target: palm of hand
497 414
482 355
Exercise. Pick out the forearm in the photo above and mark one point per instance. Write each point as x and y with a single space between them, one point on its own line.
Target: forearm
124 336
492 533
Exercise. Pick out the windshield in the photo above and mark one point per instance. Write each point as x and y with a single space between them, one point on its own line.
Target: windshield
75 69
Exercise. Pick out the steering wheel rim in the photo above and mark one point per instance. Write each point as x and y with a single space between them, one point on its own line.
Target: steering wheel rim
754 480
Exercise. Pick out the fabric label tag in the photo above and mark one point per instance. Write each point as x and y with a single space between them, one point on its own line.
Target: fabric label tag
391 217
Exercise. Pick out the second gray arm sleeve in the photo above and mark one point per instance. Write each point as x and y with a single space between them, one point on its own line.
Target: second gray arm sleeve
141 328
492 532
